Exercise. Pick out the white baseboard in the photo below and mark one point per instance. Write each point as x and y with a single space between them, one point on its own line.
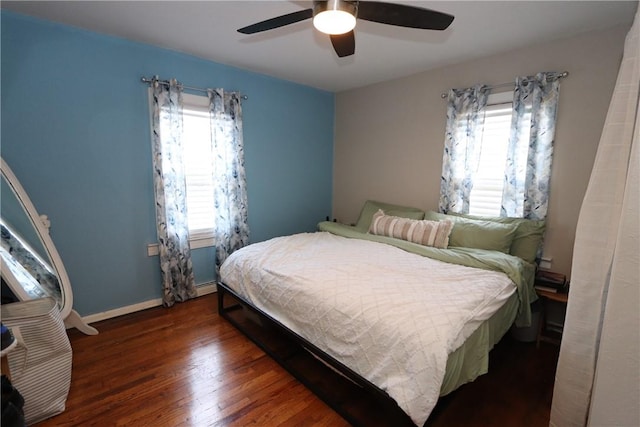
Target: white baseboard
204 289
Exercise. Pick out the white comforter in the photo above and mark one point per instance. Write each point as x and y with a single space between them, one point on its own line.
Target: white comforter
391 316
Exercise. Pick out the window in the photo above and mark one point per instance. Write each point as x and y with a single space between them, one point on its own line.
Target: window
485 198
473 151
198 166
198 171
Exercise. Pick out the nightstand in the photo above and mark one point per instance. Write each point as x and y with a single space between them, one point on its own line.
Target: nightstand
545 297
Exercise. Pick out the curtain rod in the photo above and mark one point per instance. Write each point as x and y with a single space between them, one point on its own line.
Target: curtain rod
166 83
559 75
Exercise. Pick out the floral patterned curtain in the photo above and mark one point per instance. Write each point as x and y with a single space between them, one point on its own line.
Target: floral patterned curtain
528 170
169 183
231 230
465 121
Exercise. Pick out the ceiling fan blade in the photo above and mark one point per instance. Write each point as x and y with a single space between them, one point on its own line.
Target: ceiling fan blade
279 21
344 44
403 15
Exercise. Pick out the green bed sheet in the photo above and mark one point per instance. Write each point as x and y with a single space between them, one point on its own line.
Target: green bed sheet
471 359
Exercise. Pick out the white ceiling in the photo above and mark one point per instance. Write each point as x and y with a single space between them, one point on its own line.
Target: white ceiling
298 53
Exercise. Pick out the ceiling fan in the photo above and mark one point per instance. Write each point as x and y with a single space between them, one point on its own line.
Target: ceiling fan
338 19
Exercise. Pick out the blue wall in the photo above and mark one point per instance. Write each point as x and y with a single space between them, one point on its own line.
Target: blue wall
75 131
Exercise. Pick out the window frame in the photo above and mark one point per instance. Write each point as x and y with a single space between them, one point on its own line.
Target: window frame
495 100
197 238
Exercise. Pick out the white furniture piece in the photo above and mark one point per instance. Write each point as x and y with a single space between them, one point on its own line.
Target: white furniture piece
29 261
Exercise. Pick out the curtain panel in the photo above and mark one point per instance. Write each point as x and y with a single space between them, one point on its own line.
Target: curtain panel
465 121
528 169
170 194
231 230
598 373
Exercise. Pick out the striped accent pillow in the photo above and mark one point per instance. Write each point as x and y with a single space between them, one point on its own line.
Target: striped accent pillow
423 232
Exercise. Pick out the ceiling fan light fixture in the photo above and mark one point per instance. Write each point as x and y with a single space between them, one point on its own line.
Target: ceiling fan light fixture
334 17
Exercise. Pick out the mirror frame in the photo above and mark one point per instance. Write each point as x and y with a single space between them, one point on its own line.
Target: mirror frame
70 316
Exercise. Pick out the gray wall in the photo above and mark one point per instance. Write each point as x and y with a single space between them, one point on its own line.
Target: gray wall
390 136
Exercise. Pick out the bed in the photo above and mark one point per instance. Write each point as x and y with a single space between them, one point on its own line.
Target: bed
408 319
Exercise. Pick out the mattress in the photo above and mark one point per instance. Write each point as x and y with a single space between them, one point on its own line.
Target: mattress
398 319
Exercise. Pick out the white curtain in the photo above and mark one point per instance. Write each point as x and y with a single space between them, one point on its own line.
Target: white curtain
598 373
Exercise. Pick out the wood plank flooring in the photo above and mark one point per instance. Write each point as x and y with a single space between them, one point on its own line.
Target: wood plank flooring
186 366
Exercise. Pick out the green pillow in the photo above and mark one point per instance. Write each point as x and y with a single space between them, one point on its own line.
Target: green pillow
527 239
371 207
472 233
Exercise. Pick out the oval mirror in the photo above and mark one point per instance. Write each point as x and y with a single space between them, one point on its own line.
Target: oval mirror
29 262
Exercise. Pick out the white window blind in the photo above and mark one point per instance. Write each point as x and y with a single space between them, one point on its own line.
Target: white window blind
486 195
198 165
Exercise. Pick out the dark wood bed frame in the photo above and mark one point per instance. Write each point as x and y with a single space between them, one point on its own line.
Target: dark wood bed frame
356 399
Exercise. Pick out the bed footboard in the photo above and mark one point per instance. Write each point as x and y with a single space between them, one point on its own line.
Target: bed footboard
359 401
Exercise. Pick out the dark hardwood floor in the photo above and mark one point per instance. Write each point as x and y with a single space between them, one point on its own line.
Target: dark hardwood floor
186 366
